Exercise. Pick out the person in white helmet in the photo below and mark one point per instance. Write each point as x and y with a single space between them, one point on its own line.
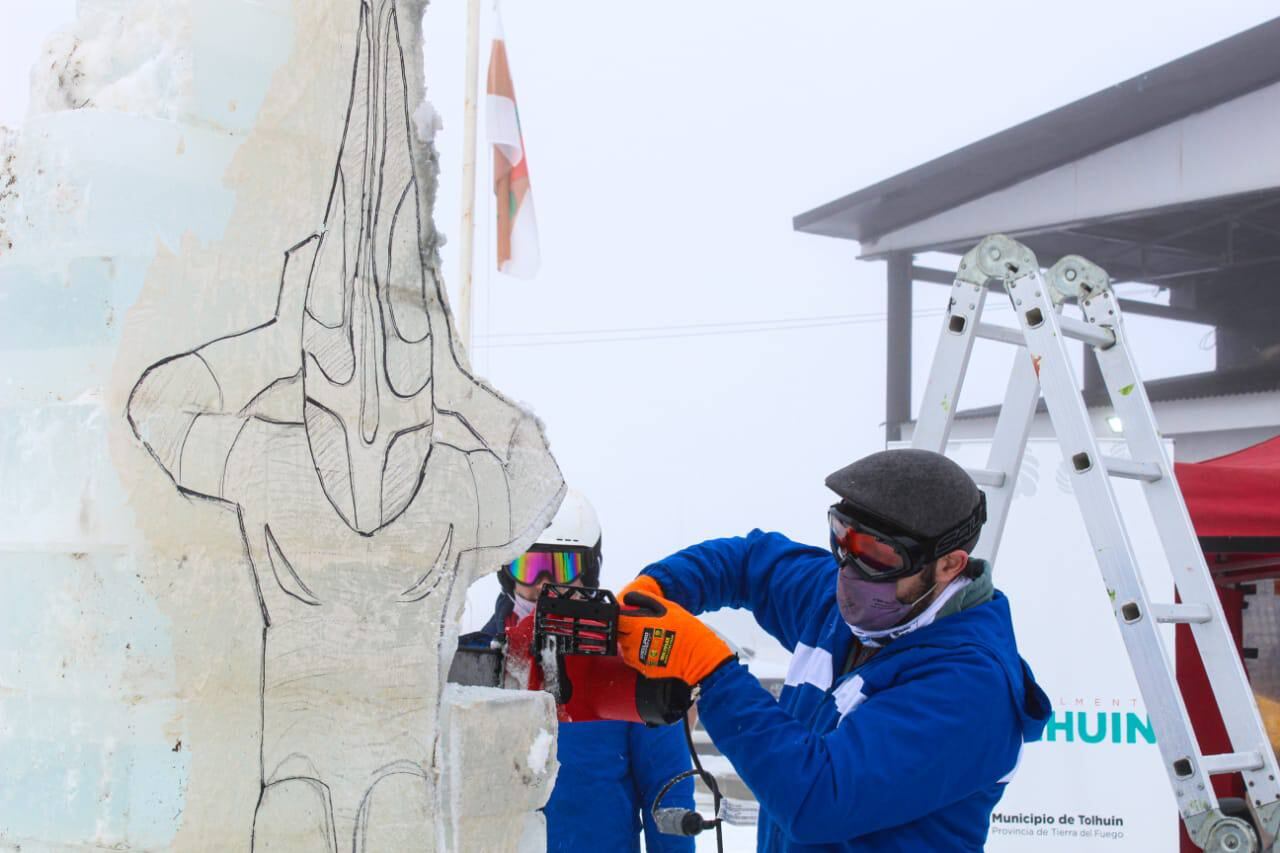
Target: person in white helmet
610 772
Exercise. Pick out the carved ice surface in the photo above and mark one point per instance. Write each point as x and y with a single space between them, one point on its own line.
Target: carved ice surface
474 720
125 57
540 751
8 187
284 393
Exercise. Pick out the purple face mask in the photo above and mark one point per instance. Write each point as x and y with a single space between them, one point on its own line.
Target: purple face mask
871 606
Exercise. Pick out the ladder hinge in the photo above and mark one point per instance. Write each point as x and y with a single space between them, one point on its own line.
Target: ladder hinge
1074 277
997 257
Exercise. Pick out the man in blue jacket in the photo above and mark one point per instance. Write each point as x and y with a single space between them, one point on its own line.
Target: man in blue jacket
906 704
610 772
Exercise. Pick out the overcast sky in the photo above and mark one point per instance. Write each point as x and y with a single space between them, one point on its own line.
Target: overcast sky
670 143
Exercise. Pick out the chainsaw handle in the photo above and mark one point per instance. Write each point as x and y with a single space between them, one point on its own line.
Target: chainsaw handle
662 701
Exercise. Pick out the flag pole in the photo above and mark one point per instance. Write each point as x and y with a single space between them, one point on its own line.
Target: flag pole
468 229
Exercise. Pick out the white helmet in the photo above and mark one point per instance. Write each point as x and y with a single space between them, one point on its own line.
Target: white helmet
574 528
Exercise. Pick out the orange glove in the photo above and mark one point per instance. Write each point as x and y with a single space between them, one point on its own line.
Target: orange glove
661 639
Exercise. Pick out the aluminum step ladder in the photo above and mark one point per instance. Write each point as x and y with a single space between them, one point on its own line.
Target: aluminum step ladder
1000 263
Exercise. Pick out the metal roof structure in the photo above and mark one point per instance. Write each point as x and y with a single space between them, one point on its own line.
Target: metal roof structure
1131 247
1169 178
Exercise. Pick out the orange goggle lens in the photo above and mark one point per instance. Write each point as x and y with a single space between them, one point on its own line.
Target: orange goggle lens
876 555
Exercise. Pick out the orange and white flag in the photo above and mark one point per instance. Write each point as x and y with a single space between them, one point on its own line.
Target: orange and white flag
517 229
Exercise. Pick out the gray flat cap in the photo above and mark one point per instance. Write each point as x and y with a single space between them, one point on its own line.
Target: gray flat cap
918 490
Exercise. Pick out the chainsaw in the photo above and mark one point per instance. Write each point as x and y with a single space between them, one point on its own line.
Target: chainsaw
569 648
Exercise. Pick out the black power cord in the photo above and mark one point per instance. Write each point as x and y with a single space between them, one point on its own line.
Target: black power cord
711 783
678 821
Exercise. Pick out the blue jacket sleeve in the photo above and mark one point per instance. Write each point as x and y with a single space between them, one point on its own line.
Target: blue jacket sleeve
783 583
657 756
907 751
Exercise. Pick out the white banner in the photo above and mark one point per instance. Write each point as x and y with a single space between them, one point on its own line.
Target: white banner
1096 782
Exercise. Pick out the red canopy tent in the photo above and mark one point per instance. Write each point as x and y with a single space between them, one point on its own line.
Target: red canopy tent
1237 495
1234 502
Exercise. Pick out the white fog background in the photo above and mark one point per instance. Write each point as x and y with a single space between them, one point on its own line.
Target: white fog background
670 143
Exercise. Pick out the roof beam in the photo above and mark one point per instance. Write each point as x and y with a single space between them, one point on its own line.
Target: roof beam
1166 312
1213 270
1130 244
932 275
1162 241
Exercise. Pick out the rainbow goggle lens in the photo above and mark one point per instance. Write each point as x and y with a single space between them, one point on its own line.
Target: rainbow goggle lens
556 566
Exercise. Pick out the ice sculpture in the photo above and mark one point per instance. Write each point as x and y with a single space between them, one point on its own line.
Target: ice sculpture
370 476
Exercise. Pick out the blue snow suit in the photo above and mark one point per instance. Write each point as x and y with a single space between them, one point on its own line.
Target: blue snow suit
609 774
910 751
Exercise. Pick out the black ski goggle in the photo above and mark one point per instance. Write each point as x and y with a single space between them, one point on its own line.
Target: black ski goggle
879 552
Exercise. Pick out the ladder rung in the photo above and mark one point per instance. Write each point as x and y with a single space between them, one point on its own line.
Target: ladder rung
987 477
1081 331
1148 472
1230 762
1181 613
1004 334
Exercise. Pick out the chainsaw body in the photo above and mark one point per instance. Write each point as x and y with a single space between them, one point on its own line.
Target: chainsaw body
569 648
